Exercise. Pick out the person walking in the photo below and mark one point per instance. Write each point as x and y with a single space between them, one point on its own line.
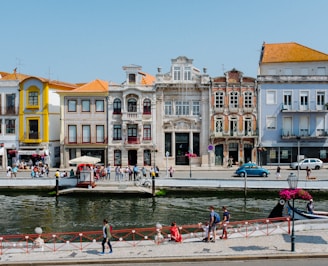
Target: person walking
135 172
225 221
171 171
107 236
108 172
278 175
310 207
308 173
14 171
214 219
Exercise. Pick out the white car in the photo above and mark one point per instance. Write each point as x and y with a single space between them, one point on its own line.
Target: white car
312 163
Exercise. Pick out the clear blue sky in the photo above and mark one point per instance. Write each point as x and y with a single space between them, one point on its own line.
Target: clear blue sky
82 40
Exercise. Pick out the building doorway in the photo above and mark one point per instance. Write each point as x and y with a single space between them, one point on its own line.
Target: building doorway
181 148
132 157
219 154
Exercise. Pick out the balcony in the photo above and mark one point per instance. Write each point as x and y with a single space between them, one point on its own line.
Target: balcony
131 116
32 137
9 111
303 109
132 140
80 140
303 134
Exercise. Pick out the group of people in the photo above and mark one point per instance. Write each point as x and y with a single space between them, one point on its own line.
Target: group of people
129 173
308 172
209 227
12 171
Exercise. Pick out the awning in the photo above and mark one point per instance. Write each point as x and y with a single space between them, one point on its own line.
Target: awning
27 152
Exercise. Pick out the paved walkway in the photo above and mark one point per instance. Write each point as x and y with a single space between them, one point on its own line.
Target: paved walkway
311 241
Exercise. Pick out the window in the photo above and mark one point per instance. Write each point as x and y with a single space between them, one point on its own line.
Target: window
85 106
10 126
33 125
147 132
133 133
248 99
132 105
117 158
219 99
218 125
187 73
271 97
168 143
195 108
182 108
147 106
304 100
100 134
271 122
100 106
248 126
168 108
10 103
86 134
147 157
132 78
320 99
233 125
117 106
71 105
233 99
72 134
176 74
33 98
287 100
117 132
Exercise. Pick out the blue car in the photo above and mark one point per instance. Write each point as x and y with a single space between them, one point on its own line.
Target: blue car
251 169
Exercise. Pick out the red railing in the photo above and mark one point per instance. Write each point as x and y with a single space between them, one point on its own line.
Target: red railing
137 236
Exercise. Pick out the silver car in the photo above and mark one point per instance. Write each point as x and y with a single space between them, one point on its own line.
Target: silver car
312 163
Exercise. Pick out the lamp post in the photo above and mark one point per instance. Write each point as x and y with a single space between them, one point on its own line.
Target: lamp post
292 183
190 154
298 155
167 156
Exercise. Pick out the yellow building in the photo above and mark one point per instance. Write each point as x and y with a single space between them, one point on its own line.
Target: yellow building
37 123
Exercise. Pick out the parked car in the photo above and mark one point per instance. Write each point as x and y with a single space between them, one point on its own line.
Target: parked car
312 163
252 169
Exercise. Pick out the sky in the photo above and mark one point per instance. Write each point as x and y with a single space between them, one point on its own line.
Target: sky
78 41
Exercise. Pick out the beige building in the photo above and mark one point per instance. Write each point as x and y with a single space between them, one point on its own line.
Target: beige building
182 115
83 122
131 123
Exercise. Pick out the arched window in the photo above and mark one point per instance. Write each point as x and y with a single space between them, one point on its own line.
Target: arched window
117 106
132 105
147 106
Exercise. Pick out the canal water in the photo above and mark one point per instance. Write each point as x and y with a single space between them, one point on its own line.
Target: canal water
21 213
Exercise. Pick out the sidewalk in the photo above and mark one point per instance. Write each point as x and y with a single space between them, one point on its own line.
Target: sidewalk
311 240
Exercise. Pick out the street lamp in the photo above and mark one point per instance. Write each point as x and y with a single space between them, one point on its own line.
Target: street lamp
292 183
298 156
190 154
167 156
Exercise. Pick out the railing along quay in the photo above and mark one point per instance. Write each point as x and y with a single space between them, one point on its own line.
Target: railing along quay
80 241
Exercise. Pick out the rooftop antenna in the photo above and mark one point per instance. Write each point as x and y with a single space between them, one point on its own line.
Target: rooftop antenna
223 69
18 65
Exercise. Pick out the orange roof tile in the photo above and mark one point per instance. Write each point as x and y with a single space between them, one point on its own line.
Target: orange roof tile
93 86
290 52
146 78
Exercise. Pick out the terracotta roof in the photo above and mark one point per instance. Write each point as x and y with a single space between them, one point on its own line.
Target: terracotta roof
96 85
290 52
147 79
53 83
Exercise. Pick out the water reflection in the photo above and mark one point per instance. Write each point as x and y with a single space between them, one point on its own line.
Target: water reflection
22 213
